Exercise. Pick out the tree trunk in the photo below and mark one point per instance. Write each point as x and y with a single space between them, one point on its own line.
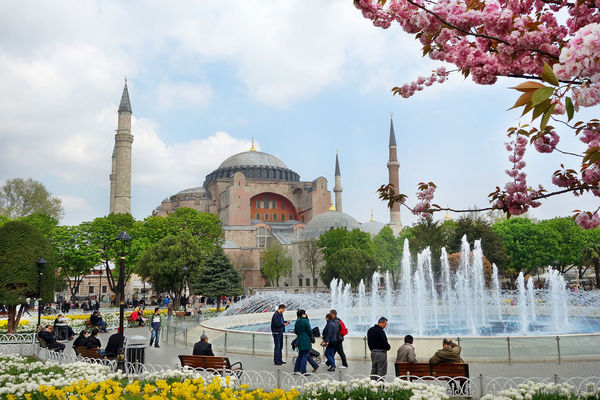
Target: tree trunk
218 303
13 319
597 272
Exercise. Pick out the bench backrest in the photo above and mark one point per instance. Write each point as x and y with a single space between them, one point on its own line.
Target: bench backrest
206 362
83 351
435 370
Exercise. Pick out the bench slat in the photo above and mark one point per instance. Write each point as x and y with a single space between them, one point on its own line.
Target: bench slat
450 370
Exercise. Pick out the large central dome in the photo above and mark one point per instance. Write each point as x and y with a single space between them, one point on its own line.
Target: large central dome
255 165
253 158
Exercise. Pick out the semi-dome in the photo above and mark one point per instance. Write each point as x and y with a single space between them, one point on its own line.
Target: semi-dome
326 221
254 165
372 227
252 158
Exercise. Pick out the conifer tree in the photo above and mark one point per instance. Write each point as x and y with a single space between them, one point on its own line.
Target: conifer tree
218 278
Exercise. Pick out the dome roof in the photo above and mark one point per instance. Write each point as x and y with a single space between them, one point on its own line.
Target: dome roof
199 189
327 220
372 227
253 158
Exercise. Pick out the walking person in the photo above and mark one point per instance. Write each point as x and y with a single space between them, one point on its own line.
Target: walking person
303 341
329 342
155 328
278 324
379 346
341 332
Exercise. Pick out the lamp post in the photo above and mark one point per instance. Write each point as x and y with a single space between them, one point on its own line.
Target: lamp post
123 246
185 275
100 291
41 263
144 292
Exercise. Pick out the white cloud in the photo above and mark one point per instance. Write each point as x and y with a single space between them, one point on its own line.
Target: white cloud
74 203
183 94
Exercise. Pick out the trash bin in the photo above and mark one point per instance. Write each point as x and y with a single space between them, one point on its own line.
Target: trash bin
135 349
62 331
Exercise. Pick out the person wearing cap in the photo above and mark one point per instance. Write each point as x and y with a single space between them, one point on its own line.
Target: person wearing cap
203 348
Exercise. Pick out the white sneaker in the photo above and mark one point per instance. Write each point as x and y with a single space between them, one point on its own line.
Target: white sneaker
342 367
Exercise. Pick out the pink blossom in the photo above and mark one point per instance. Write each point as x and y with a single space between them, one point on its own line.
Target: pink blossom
588 220
546 143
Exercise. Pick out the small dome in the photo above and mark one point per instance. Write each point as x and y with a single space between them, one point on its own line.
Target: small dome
327 220
254 159
372 227
193 190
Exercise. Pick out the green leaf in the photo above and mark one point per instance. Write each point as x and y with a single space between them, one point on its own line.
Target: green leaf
523 99
540 109
546 116
570 108
541 94
549 76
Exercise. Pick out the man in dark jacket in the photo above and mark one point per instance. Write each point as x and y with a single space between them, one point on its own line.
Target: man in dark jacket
47 335
329 342
449 353
278 325
339 344
379 346
114 343
203 348
93 342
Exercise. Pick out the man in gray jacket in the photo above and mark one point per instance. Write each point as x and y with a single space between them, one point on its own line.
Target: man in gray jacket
406 352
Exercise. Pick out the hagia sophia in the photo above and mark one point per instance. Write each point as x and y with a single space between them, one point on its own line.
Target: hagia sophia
259 200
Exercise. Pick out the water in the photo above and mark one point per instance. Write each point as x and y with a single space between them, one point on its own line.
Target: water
467 301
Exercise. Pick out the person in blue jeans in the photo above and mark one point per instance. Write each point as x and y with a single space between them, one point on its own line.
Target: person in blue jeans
329 341
155 328
278 324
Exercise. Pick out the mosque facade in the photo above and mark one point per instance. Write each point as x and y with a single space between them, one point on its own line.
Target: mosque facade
259 200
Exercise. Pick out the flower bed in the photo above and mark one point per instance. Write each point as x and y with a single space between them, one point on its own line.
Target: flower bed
546 391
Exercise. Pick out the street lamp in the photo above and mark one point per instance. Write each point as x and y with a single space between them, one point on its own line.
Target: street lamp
100 290
185 275
41 263
123 246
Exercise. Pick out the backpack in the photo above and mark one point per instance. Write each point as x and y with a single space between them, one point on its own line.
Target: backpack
343 329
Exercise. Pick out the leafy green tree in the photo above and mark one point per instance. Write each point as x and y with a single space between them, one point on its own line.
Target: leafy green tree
571 239
171 261
21 197
388 251
340 238
21 246
311 256
427 233
75 254
590 255
477 228
218 278
276 262
349 264
528 246
43 222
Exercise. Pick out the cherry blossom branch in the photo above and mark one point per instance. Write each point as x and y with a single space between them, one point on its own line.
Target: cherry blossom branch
539 78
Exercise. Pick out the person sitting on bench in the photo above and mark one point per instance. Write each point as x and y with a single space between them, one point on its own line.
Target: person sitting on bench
96 320
81 340
203 348
47 335
114 343
406 352
93 342
449 353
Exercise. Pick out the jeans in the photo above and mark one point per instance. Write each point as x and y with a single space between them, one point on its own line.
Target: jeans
378 364
313 363
300 365
330 353
278 341
154 337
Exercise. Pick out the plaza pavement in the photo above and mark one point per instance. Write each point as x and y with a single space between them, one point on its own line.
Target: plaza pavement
167 355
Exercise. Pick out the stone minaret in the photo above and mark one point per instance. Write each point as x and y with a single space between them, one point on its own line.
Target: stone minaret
393 165
338 185
120 178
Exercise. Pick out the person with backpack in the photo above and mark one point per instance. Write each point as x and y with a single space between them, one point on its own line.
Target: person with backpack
341 332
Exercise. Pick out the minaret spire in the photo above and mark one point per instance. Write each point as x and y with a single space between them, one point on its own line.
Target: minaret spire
393 166
338 184
120 177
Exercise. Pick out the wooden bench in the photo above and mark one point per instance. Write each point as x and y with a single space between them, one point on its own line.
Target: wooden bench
216 363
452 372
82 351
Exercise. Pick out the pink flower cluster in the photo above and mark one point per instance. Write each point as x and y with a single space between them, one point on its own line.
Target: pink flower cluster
518 196
440 75
591 175
425 195
546 143
588 220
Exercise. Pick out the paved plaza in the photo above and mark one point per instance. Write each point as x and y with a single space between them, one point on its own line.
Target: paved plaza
167 355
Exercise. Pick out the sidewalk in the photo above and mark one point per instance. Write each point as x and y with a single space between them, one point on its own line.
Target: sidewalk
167 355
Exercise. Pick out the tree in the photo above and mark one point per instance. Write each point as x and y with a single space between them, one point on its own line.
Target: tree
276 262
590 255
519 40
427 233
528 246
75 254
218 278
311 256
477 228
350 265
20 198
168 263
21 246
340 238
571 239
388 251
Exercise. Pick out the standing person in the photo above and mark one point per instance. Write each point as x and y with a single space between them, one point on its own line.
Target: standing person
341 332
155 328
449 353
406 352
303 341
329 341
379 346
278 325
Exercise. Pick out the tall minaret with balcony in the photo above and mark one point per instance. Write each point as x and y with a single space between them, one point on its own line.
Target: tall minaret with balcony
393 166
338 185
120 177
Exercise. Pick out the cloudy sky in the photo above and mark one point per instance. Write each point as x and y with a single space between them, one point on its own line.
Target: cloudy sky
304 78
